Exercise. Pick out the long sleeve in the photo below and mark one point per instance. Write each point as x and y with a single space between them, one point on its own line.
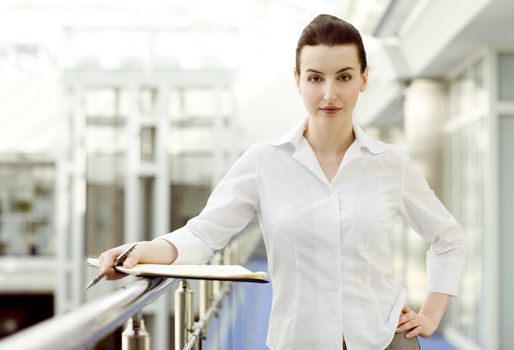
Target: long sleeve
430 219
231 206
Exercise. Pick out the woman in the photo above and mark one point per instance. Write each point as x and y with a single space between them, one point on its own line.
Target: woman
326 196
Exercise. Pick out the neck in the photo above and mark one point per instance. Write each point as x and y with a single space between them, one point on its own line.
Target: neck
331 138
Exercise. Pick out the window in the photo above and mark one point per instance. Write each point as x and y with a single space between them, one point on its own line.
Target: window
26 208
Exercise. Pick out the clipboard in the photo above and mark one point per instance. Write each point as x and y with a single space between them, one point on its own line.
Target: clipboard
234 273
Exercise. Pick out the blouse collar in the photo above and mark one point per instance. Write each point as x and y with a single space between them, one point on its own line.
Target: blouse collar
295 136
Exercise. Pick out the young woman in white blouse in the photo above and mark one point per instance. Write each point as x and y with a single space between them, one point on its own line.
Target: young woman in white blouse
326 196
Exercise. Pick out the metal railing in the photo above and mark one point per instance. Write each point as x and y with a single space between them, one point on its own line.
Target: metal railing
92 321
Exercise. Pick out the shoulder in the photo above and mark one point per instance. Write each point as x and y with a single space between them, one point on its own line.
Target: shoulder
267 156
256 151
269 147
258 148
392 153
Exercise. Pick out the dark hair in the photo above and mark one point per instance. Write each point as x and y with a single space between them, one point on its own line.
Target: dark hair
330 31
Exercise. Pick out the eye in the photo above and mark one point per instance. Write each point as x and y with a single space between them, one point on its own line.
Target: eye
314 79
345 77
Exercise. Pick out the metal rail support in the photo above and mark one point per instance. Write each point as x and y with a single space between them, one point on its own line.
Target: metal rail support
183 314
217 285
135 336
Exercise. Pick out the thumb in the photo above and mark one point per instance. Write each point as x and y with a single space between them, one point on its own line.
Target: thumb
405 309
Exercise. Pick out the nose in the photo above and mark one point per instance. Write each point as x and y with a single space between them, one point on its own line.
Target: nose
329 93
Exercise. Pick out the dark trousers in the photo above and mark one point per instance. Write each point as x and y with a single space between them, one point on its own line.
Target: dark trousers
400 343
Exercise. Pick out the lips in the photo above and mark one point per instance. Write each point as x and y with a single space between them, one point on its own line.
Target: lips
330 109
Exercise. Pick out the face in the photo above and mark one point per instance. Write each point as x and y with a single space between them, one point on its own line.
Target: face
330 80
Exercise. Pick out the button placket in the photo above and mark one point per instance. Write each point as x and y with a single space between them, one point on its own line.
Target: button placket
337 212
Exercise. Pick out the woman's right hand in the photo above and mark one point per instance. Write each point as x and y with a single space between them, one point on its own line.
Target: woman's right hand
106 260
157 251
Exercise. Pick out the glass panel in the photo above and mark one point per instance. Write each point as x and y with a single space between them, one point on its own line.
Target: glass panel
481 161
506 76
175 102
191 139
106 168
467 92
191 168
106 139
148 144
199 102
26 209
506 163
188 200
146 205
106 147
467 184
125 103
104 217
101 103
148 101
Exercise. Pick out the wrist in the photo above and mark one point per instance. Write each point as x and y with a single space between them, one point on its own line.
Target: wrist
144 248
431 322
160 251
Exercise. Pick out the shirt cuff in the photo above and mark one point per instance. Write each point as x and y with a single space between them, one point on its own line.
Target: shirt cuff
445 274
191 250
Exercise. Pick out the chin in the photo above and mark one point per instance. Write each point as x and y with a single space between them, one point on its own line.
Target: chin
338 116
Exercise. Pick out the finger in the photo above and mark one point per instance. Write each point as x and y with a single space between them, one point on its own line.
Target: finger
414 332
131 261
105 263
406 317
104 257
405 309
407 326
108 258
112 274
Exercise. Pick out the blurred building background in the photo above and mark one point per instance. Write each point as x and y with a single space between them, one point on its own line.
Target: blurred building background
118 118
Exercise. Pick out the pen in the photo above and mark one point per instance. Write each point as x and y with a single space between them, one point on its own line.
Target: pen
119 260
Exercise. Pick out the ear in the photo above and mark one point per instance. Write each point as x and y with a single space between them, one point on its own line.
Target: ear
364 77
297 80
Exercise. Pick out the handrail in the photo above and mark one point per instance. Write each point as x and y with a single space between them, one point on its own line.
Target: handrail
90 322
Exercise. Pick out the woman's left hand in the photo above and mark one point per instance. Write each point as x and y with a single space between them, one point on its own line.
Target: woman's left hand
415 324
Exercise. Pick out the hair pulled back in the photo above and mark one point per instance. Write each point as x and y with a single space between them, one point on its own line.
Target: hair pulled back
330 31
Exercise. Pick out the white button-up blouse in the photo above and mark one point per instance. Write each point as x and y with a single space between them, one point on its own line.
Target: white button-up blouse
328 242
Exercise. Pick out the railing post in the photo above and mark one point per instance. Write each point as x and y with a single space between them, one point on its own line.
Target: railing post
206 300
135 336
227 254
216 285
183 314
236 252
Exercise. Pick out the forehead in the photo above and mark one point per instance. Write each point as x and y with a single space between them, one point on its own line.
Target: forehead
329 58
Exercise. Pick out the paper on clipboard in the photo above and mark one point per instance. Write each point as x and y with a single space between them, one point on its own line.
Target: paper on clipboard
234 273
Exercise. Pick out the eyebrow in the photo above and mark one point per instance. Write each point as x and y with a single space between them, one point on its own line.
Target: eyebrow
339 71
